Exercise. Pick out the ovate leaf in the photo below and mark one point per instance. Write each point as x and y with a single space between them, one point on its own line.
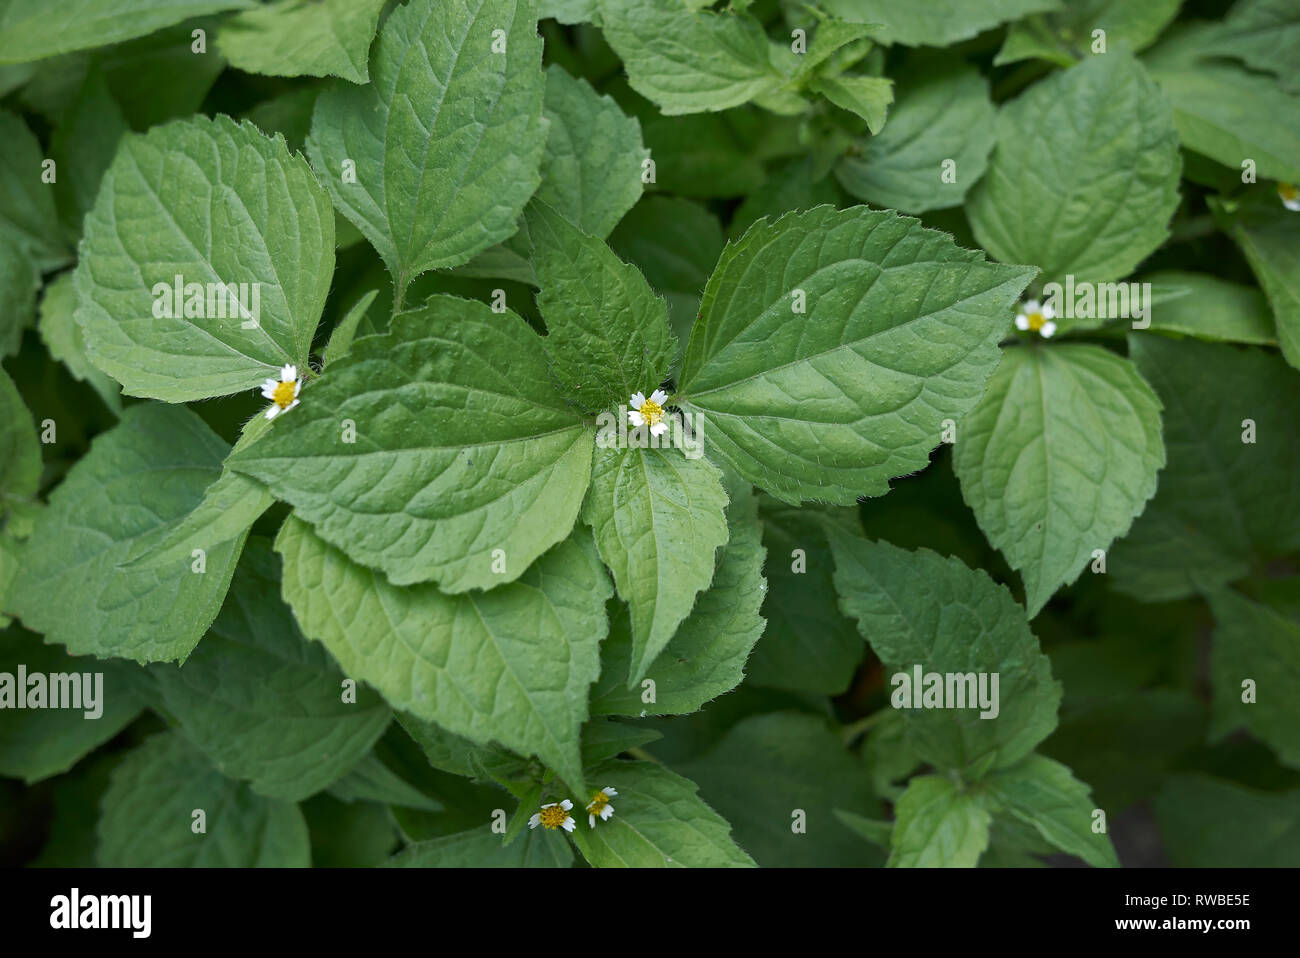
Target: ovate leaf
1213 309
1067 35
462 463
1269 235
1084 177
20 450
264 226
434 159
147 473
66 343
27 211
937 22
938 825
303 38
658 520
1058 458
898 332
512 665
920 609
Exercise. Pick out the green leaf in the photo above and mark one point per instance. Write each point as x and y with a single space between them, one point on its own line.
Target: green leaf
808 646
592 167
293 38
798 184
66 343
868 97
512 665
1085 175
1259 644
265 221
1045 794
1269 235
607 332
83 145
658 518
446 138
1058 458
918 609
1221 501
706 657
767 768
936 22
83 703
482 848
1067 36
938 825
604 739
1265 34
147 473
27 212
703 155
348 834
464 457
458 755
371 780
146 815
20 449
900 333
1210 823
1224 111
942 115
876 832
689 61
34 31
674 242
263 704
19 281
1213 309
659 821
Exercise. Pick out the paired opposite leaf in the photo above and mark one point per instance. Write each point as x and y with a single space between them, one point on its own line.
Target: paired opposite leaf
147 473
512 665
1058 458
658 518
214 202
465 464
1085 175
898 331
434 159
918 608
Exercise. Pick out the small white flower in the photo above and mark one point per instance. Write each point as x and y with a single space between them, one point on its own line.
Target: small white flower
282 393
1290 196
649 411
1037 318
554 815
599 806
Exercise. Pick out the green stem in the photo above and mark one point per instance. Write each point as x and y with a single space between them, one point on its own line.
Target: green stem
851 732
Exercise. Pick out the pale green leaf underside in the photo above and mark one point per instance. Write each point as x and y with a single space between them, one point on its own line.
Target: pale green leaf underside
1085 174
446 138
146 815
261 702
1058 458
659 821
462 448
303 38
512 665
918 608
1213 309
214 202
658 518
938 825
900 333
935 22
147 473
1044 794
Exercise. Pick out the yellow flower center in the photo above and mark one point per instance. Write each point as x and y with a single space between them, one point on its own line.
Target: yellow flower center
1036 321
283 394
598 802
554 816
1288 191
652 411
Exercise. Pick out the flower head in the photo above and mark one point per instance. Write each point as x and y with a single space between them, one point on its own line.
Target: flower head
1037 318
1290 196
554 815
649 412
599 806
283 393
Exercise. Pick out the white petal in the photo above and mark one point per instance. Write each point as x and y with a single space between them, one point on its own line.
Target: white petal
658 397
291 405
1048 312
591 821
268 392
637 400
288 374
1022 321
1032 306
1048 330
1293 205
297 387
607 811
569 824
635 418
659 428
549 805
566 804
535 820
609 790
272 411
